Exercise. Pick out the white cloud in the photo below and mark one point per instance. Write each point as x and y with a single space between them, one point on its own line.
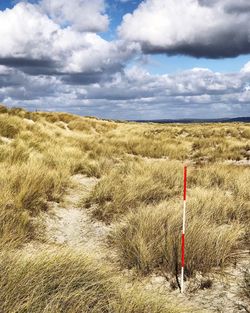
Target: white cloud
4 70
134 93
194 27
25 31
83 15
246 68
32 41
136 83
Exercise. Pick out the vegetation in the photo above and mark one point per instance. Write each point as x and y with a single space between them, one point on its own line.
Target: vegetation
150 238
139 191
67 281
145 198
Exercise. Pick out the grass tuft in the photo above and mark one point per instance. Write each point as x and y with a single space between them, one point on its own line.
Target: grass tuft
67 281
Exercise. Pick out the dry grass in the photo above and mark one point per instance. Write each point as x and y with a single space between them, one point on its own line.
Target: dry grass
140 166
144 196
36 164
69 282
133 183
150 239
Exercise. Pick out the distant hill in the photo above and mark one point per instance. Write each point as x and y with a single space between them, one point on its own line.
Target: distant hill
198 120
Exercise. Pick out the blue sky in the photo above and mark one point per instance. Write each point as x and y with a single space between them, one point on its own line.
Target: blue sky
5 4
127 59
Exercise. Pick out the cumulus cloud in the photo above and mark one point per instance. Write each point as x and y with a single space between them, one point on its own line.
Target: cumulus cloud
133 93
138 83
24 31
200 28
32 41
83 15
246 68
197 92
239 7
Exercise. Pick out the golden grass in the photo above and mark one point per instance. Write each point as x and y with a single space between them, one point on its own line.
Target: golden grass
68 282
148 235
150 238
9 126
133 183
140 166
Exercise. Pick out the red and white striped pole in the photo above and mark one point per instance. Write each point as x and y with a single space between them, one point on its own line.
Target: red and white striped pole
183 228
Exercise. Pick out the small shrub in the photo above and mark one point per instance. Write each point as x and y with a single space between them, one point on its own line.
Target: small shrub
9 127
3 109
151 237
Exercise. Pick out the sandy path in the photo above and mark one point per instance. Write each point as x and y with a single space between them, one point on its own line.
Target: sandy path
71 224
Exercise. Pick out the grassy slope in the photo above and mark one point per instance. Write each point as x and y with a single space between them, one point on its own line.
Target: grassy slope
140 166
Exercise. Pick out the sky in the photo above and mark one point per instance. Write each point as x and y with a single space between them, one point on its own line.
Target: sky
127 59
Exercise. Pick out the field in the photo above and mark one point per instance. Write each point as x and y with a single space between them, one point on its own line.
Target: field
61 175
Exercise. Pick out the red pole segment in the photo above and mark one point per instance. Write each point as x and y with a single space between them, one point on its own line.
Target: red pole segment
182 250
